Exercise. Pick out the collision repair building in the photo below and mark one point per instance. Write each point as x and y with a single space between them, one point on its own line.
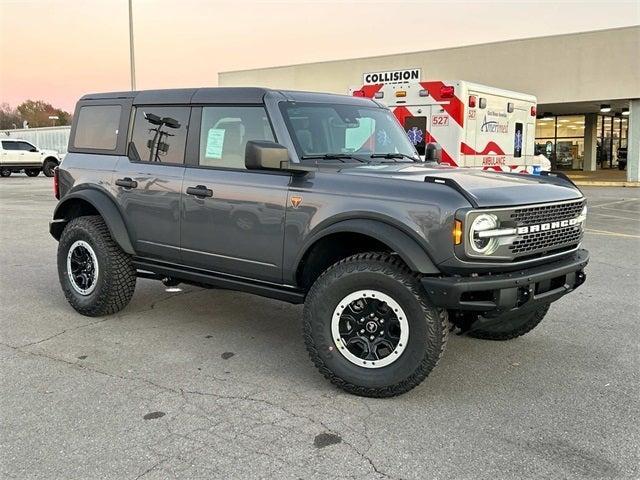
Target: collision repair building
587 85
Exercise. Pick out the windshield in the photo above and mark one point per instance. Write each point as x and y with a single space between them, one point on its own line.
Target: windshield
329 130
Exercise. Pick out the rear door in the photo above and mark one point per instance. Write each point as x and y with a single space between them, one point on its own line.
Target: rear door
9 154
149 179
232 219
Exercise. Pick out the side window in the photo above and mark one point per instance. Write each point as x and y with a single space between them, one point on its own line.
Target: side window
10 145
225 131
27 147
97 127
159 134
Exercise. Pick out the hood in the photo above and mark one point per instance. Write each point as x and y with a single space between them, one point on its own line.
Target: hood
481 187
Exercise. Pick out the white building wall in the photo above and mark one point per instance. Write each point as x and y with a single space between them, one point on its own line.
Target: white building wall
52 138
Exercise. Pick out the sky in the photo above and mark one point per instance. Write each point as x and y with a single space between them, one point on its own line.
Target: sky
58 50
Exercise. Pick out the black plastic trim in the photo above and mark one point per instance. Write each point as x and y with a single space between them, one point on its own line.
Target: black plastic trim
447 292
221 280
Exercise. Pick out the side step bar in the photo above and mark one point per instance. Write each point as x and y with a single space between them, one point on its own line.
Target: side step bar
217 280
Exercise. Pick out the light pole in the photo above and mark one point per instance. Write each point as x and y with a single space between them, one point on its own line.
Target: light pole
131 55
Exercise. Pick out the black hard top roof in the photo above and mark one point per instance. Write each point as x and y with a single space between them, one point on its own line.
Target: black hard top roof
221 95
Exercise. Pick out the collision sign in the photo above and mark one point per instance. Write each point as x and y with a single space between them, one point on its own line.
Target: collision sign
393 76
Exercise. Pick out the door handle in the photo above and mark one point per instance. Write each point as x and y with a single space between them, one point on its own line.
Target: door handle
126 182
200 191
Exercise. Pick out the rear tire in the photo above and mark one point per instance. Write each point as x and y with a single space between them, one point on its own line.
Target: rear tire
48 166
96 276
5 172
32 172
334 306
507 327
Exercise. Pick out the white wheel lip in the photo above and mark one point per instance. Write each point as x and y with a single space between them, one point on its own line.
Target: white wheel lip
94 259
402 319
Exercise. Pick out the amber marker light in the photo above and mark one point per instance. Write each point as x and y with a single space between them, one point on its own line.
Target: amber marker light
457 232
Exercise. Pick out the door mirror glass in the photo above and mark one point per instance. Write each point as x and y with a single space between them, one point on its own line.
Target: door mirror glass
265 155
33 150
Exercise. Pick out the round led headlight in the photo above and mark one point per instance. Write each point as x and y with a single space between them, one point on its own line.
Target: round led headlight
480 243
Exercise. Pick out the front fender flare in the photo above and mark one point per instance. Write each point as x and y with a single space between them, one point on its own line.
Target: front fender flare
406 247
107 209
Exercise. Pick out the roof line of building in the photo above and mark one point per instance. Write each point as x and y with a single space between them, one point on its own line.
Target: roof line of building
586 32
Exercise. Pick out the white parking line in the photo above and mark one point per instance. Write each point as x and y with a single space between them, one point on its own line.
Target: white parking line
612 234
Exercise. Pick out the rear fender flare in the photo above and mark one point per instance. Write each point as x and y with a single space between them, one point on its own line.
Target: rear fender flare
107 209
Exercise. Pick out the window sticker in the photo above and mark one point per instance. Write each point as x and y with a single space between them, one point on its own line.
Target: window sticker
215 139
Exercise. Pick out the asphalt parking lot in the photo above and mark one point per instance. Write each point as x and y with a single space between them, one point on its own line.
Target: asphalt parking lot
217 384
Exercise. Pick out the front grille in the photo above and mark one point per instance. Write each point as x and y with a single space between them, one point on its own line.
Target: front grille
547 240
547 213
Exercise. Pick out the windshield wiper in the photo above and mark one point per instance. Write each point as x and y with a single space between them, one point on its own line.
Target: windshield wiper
393 156
332 156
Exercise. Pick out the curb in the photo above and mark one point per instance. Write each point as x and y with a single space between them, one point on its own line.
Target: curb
587 183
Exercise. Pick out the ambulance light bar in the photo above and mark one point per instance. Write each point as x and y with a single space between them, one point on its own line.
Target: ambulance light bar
472 101
358 93
401 93
533 111
447 91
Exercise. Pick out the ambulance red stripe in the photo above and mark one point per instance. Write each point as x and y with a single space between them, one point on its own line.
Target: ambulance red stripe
453 106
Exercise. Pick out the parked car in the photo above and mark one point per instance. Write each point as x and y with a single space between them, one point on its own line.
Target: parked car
17 155
317 199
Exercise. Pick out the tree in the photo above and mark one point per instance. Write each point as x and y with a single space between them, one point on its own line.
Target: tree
37 113
9 117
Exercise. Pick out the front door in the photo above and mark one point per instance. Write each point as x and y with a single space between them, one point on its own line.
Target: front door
232 218
149 181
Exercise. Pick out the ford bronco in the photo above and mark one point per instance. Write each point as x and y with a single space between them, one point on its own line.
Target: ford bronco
311 198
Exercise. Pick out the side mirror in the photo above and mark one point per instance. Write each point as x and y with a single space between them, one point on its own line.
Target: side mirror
261 155
433 153
33 150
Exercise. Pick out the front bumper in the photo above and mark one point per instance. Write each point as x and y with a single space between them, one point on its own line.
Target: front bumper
496 294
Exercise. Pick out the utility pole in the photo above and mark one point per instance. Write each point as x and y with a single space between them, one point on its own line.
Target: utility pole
131 55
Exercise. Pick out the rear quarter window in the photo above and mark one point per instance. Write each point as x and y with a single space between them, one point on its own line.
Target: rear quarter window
97 127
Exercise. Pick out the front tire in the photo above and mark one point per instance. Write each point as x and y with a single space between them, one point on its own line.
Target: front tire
507 327
5 172
49 166
32 172
96 276
369 327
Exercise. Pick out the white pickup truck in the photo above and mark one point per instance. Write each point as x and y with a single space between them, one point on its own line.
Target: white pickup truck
16 155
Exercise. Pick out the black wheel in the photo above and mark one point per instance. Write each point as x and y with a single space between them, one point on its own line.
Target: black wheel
507 327
5 172
97 277
369 327
32 172
48 166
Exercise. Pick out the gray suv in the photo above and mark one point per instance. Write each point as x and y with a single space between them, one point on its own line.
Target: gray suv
317 199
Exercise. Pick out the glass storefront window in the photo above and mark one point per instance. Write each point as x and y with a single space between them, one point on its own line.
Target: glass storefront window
570 126
546 127
570 153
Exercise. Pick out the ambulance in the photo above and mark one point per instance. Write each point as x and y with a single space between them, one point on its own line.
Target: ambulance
472 125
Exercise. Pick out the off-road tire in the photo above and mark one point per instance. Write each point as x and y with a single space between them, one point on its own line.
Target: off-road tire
48 166
389 275
116 277
32 172
507 327
5 172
